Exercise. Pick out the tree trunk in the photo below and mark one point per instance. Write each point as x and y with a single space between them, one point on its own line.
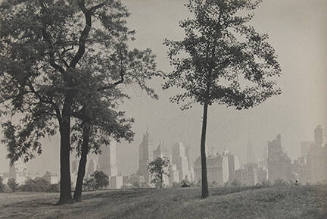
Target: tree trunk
205 192
65 181
82 162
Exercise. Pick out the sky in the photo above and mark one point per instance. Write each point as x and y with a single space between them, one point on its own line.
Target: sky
298 32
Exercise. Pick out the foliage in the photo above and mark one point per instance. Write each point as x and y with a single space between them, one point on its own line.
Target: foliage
281 182
12 184
158 168
97 180
89 184
185 183
37 184
53 188
101 179
222 58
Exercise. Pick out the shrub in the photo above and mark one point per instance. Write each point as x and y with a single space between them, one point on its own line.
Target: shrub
54 188
36 185
12 184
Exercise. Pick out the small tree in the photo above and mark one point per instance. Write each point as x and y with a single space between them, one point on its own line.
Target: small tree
12 184
157 169
101 179
222 59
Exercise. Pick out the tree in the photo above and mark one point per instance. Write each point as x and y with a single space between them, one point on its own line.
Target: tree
12 184
99 118
223 60
101 179
157 169
48 49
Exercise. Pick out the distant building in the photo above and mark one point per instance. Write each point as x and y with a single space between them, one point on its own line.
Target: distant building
317 159
173 174
318 136
51 177
306 147
12 171
116 182
107 162
144 159
18 171
228 165
160 151
279 164
214 169
180 159
92 165
250 155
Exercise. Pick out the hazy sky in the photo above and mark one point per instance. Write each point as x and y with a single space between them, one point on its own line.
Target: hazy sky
298 32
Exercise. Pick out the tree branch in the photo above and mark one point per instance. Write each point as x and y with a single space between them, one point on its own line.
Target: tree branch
47 38
85 33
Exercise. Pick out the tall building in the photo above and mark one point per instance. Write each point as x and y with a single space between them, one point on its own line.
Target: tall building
180 159
107 162
160 151
250 155
144 158
318 136
317 159
279 164
214 169
229 165
12 171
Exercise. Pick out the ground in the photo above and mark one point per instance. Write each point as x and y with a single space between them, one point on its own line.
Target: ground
272 202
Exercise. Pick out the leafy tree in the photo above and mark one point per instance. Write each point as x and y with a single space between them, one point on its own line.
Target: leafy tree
101 179
12 184
99 118
223 60
158 168
53 55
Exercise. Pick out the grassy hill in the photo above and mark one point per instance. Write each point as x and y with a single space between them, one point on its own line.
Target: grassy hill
271 202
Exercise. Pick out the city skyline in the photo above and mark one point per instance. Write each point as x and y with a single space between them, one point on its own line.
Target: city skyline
298 34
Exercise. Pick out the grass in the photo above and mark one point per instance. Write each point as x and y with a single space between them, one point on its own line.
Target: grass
271 202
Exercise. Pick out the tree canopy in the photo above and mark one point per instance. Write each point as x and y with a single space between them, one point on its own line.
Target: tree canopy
222 58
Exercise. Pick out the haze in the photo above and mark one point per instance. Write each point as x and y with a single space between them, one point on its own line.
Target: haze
298 32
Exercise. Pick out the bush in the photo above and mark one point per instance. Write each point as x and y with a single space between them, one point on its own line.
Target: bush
280 182
54 188
12 184
185 183
36 185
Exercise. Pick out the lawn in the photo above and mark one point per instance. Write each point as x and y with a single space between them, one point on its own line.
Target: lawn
271 202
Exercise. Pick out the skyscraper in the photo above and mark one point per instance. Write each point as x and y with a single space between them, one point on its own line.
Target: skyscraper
180 159
279 164
108 159
250 155
144 158
318 135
